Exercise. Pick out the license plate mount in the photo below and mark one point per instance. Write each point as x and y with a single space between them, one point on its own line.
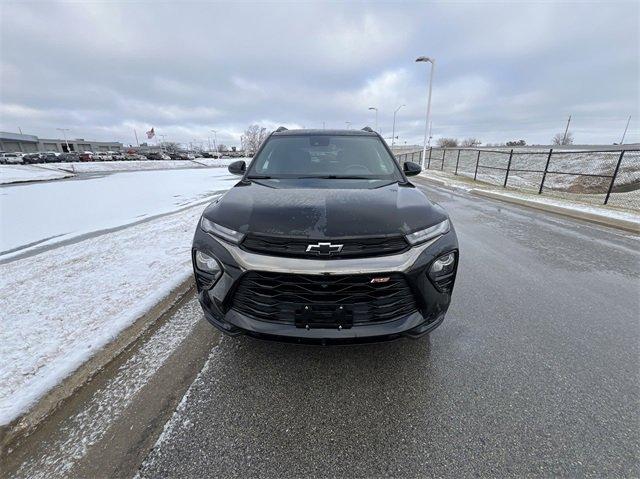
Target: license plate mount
326 316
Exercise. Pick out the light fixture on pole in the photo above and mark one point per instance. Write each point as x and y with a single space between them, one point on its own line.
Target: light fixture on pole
393 134
374 108
428 119
348 125
64 133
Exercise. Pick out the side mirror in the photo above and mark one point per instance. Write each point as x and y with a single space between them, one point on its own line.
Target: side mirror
238 167
409 168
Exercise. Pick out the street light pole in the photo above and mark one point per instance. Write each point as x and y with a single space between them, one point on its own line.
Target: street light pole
428 119
374 108
393 134
64 132
348 125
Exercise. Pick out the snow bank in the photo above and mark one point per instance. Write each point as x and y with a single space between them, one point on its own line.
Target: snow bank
21 173
62 306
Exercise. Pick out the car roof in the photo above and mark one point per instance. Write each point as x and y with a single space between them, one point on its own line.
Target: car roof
311 132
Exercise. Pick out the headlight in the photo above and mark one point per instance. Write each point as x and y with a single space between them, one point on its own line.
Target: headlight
429 233
220 231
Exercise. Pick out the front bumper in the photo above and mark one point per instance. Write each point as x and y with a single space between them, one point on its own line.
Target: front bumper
216 300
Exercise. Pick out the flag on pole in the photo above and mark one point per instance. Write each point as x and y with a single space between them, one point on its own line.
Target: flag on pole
151 133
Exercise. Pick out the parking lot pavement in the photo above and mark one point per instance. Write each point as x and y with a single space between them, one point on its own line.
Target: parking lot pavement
533 373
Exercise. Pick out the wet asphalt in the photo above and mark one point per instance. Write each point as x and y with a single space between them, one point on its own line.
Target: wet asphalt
535 372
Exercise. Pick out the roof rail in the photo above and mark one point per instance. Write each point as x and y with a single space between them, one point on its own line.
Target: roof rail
367 128
281 128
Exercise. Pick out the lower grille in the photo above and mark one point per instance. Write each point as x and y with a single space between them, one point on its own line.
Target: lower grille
280 297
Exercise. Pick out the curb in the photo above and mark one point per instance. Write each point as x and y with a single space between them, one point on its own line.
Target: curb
619 223
24 425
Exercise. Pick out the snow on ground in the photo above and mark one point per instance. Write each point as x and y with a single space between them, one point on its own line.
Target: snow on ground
62 306
52 171
21 173
39 214
469 184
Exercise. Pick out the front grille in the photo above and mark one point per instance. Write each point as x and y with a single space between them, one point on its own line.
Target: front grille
351 247
281 297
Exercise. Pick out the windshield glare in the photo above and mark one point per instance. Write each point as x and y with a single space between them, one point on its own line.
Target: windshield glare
325 156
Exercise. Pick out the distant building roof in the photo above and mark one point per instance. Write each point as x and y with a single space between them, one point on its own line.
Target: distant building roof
5 135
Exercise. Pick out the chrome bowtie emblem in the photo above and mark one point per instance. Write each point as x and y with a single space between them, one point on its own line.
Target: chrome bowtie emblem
324 249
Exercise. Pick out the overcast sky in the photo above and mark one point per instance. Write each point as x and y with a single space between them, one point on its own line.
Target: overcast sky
503 70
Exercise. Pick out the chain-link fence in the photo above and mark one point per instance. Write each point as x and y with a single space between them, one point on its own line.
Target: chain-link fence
610 177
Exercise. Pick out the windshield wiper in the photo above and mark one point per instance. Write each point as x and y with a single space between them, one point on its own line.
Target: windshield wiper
259 177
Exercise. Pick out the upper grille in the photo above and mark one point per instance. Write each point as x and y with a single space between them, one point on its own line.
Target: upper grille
351 247
280 296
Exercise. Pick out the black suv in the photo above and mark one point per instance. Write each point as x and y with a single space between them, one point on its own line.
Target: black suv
325 240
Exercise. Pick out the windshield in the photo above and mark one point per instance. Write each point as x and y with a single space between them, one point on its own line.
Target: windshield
325 156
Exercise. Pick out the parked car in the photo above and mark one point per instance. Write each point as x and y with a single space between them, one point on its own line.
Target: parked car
70 157
325 239
11 158
101 156
157 156
32 158
118 157
50 157
154 156
86 156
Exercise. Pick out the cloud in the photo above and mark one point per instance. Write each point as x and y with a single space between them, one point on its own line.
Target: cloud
502 70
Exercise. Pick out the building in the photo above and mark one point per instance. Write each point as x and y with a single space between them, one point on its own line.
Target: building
12 142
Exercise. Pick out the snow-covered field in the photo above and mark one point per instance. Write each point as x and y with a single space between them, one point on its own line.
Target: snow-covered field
129 245
52 171
19 173
564 172
62 306
38 214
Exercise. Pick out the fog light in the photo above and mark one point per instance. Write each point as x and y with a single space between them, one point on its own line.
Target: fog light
442 272
444 264
208 264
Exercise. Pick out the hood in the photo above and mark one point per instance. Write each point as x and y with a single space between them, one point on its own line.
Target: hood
324 209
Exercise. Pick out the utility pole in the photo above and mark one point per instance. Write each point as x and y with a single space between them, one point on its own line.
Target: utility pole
348 125
625 130
215 140
323 125
64 132
430 132
566 130
136 134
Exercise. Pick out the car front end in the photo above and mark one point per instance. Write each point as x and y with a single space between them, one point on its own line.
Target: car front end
325 260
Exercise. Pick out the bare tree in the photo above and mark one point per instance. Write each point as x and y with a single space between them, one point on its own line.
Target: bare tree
447 142
222 148
561 139
470 142
171 146
253 138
